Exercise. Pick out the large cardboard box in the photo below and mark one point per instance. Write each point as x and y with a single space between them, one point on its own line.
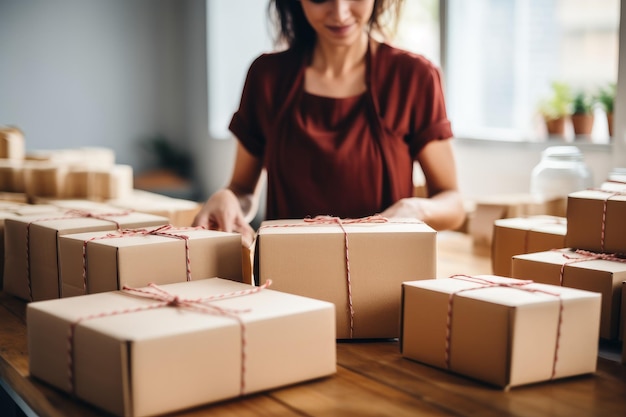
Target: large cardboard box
95 262
595 221
570 269
519 235
142 356
502 335
31 252
361 271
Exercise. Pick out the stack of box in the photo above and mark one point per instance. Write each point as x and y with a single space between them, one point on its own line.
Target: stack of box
359 265
31 246
593 258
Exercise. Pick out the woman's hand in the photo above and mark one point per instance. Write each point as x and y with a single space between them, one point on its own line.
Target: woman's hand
223 212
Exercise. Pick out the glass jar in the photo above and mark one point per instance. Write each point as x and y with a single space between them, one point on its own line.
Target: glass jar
560 172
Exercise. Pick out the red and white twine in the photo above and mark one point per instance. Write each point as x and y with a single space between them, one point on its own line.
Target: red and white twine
165 299
605 203
486 283
165 230
340 222
584 256
70 214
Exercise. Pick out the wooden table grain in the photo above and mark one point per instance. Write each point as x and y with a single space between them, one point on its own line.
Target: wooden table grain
372 378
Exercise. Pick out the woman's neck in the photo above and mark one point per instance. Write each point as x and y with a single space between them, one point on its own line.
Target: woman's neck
337 71
336 61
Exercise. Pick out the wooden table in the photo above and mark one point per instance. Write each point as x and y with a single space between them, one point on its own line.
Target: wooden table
372 378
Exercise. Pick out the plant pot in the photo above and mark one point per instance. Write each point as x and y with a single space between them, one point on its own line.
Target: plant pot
582 124
609 119
556 127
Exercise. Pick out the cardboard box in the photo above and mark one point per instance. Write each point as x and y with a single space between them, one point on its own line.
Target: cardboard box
309 259
95 262
595 221
31 252
488 209
12 144
580 272
134 360
180 212
11 175
500 335
519 235
623 312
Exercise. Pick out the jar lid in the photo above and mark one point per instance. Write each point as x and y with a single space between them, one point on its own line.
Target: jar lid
562 153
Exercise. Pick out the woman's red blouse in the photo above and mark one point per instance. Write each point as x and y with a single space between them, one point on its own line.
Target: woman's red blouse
346 157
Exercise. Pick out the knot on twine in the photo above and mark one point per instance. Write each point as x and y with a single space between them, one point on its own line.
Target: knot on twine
584 256
167 299
166 230
337 220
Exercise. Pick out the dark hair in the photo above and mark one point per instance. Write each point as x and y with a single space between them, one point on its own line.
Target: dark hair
293 29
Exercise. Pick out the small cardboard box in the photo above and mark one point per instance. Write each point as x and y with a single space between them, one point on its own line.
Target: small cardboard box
309 259
580 272
488 209
31 252
519 235
144 357
500 335
95 262
595 221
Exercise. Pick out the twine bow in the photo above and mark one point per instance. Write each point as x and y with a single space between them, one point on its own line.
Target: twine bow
163 299
166 230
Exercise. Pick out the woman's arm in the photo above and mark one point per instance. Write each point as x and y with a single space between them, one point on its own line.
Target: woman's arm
232 208
443 209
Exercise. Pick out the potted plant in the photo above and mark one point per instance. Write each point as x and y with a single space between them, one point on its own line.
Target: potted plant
606 98
582 113
556 108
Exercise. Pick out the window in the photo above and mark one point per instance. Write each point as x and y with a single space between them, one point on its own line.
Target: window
502 56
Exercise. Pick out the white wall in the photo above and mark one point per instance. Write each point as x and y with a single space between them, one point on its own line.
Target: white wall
94 73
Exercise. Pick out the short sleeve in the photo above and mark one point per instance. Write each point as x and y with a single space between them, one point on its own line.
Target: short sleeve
246 122
432 123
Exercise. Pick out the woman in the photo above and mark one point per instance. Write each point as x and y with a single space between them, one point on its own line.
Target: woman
336 121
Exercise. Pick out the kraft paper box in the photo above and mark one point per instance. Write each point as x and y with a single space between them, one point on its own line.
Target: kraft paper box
310 260
31 252
179 211
595 221
520 235
112 183
503 206
12 144
502 336
597 275
11 175
106 261
165 359
623 327
14 209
